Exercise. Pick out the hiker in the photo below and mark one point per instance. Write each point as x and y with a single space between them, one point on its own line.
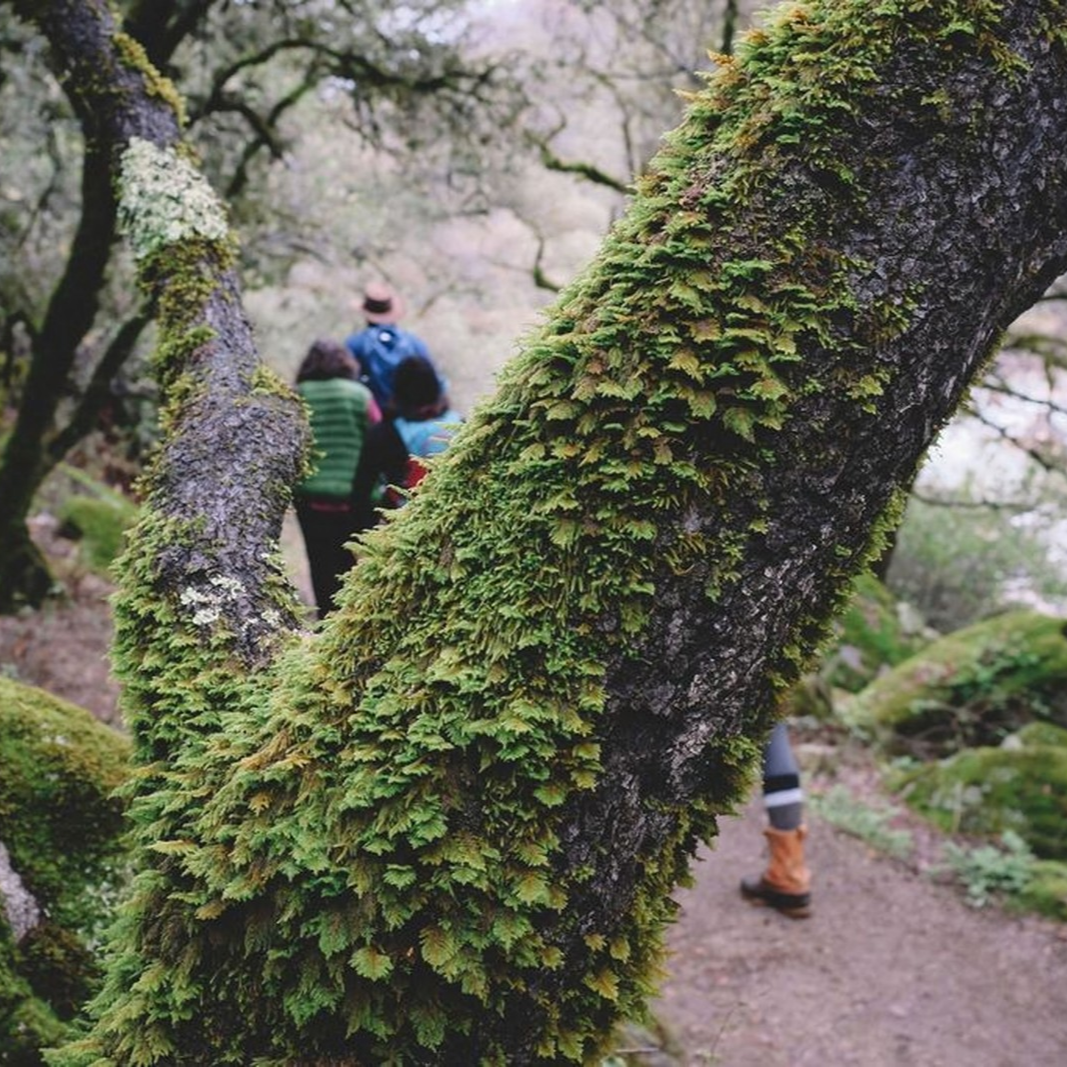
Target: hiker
420 426
340 410
786 883
382 344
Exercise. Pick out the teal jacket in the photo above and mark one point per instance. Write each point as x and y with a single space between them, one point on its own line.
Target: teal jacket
340 411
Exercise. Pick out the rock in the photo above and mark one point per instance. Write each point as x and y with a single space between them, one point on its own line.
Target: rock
62 861
972 688
986 791
18 904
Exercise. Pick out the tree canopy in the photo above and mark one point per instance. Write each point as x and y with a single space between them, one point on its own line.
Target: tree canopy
446 827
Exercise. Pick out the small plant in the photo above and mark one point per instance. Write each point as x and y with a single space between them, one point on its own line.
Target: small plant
100 525
989 872
642 1043
868 822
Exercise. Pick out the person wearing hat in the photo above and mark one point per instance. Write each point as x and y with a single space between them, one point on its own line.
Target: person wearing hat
382 344
392 461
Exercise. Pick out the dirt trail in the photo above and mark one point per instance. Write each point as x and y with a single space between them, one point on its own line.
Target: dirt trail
890 970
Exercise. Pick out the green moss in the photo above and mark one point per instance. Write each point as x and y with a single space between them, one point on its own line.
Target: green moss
986 791
27 1024
60 967
100 524
267 381
1039 733
972 687
1054 23
811 697
57 775
62 827
134 55
870 636
359 852
1046 892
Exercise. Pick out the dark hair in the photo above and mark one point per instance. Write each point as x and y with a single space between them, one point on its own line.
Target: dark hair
416 387
327 359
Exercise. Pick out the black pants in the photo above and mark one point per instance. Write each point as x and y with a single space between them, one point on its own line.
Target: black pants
326 526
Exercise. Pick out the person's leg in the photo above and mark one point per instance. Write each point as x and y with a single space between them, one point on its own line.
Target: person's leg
339 558
786 884
325 532
782 795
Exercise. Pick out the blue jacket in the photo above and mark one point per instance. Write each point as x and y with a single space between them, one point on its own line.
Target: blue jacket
379 350
391 458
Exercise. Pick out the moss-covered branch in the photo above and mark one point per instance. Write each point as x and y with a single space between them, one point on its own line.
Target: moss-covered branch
221 405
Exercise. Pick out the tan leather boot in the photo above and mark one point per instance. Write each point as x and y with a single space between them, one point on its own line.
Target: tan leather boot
786 884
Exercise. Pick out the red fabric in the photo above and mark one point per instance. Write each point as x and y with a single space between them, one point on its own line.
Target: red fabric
414 472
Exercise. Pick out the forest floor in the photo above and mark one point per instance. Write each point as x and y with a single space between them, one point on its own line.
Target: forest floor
894 968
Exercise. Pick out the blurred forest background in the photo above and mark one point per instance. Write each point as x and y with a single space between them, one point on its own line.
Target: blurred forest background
473 155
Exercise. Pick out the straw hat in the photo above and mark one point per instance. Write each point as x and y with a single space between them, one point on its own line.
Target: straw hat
381 305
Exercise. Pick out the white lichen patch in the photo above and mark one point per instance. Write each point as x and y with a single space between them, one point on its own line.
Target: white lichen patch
210 605
164 199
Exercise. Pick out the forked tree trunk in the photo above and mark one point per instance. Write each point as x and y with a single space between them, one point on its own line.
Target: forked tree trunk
446 829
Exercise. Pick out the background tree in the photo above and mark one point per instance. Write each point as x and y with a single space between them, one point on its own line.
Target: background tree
604 86
984 526
446 828
66 313
635 56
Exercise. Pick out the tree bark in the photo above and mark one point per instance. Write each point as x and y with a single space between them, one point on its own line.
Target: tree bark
38 440
446 829
196 295
161 25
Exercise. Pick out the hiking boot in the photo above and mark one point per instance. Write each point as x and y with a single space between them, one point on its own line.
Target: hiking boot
786 884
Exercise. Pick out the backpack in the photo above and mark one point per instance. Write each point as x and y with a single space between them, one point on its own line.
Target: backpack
421 438
379 350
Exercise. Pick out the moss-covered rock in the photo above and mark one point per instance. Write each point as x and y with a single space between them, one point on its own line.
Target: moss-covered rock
811 698
1046 892
1038 733
27 1023
61 826
873 633
971 688
100 524
987 791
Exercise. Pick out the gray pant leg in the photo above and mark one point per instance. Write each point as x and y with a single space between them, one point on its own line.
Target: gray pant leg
782 795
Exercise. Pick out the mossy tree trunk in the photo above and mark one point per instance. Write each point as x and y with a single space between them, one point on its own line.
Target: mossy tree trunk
445 829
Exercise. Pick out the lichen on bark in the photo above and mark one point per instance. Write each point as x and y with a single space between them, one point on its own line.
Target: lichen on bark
165 200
